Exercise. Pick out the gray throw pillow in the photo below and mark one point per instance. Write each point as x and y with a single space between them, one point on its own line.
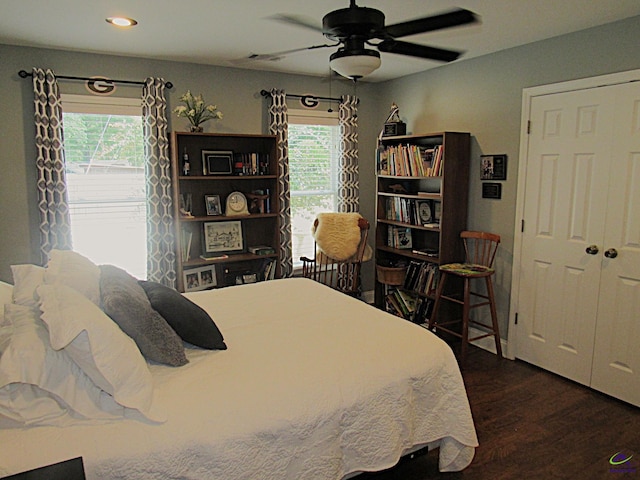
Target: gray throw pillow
190 321
127 304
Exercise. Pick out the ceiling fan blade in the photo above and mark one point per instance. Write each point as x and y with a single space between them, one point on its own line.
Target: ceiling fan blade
428 24
415 50
297 21
275 56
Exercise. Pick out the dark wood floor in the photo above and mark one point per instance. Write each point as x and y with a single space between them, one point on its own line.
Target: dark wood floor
532 424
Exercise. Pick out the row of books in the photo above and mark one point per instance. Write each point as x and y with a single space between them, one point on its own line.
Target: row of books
187 236
410 160
422 278
254 163
410 210
269 271
399 237
406 305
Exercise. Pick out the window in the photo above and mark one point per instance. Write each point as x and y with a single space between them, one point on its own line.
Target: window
104 155
314 140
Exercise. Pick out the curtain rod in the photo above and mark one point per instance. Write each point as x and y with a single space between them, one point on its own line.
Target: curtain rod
266 93
25 74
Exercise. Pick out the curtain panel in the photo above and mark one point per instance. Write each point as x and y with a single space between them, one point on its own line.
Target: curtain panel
279 126
348 179
161 260
53 203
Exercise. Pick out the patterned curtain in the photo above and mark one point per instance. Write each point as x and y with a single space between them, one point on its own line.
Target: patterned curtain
161 259
278 126
348 180
53 204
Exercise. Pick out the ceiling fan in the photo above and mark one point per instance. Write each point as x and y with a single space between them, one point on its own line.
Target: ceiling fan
354 28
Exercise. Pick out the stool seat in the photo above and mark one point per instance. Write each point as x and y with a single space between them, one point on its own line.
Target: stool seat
480 250
467 269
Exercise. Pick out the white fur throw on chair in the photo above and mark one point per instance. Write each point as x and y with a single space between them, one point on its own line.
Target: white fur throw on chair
337 234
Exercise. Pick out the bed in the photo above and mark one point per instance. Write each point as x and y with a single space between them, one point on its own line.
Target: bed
313 384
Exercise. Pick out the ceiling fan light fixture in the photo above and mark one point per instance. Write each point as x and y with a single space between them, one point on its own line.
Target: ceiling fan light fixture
355 64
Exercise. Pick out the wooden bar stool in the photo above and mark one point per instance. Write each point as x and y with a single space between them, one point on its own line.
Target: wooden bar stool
480 252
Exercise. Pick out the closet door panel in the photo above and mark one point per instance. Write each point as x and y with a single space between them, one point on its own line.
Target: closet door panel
616 366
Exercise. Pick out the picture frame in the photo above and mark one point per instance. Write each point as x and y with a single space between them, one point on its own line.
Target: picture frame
217 162
223 237
200 278
213 205
424 211
493 167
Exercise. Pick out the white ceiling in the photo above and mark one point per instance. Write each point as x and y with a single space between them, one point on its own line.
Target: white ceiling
225 32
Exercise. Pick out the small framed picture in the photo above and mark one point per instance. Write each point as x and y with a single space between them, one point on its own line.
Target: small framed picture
493 167
223 237
217 162
199 278
212 202
424 211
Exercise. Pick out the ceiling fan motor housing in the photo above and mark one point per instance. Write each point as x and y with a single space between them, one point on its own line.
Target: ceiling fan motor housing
341 24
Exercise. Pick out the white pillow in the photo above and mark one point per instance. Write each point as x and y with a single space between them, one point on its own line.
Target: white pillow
74 270
6 296
26 278
39 385
103 351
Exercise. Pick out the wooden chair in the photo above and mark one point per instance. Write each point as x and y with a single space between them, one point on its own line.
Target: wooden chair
480 252
344 275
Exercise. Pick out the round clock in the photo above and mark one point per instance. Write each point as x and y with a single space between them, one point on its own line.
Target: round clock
424 212
236 204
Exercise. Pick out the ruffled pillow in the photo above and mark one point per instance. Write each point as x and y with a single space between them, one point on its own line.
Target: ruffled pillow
105 353
26 279
74 270
39 385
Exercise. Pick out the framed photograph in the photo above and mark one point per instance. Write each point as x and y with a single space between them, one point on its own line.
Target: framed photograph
217 162
223 237
212 202
424 211
493 167
199 278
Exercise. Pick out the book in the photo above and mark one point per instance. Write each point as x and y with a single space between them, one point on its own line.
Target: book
210 257
262 250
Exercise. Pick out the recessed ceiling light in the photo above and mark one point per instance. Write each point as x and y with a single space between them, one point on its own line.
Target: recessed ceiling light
121 21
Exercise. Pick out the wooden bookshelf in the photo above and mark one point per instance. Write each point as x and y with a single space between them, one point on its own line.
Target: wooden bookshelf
434 238
257 227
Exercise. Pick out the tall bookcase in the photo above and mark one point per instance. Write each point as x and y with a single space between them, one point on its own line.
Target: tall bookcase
421 208
240 163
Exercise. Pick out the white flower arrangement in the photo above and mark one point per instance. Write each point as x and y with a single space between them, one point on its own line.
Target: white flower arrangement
195 110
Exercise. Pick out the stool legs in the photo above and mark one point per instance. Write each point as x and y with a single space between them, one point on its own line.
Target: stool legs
466 308
494 316
436 304
465 321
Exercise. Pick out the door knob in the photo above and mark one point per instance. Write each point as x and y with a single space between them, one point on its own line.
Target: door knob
592 249
611 253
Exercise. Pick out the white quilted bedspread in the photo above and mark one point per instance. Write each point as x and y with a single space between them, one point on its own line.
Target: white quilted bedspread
314 385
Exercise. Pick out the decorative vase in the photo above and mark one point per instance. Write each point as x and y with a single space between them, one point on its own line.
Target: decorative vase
196 129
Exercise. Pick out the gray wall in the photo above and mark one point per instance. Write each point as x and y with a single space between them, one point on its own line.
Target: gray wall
482 96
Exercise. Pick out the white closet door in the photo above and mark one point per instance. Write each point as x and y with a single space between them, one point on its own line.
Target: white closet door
616 366
567 175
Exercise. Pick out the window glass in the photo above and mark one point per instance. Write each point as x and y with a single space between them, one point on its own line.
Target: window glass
313 169
104 155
